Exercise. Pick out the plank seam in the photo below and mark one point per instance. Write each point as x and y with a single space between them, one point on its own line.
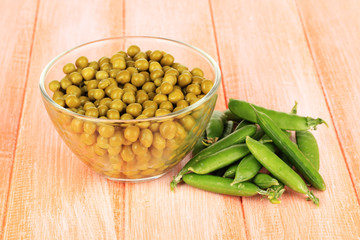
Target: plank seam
20 118
326 99
218 52
225 98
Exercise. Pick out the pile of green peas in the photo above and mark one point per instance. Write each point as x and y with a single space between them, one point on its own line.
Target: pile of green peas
131 85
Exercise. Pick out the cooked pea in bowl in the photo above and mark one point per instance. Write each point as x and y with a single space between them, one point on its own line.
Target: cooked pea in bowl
131 108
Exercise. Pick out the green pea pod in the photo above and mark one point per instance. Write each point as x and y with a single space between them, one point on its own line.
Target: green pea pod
230 172
285 159
220 159
220 172
309 147
249 166
284 120
199 145
279 169
222 185
247 169
265 180
215 127
228 129
230 116
242 124
259 134
233 138
290 149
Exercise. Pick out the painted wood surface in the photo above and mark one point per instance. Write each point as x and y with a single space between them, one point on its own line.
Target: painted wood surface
337 62
16 48
271 53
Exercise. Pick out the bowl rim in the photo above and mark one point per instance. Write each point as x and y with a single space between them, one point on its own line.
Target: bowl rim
213 90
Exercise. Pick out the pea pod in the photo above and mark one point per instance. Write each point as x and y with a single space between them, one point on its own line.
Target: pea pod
290 149
230 116
199 145
242 124
220 159
279 169
247 169
265 180
215 127
228 129
222 185
309 147
233 138
249 166
230 172
284 120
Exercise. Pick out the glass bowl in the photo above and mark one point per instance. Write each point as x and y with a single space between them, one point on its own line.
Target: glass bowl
100 143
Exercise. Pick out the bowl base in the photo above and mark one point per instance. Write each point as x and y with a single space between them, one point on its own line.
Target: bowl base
135 180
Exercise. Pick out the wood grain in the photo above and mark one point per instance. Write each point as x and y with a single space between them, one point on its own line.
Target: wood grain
15 48
271 53
270 64
53 195
336 54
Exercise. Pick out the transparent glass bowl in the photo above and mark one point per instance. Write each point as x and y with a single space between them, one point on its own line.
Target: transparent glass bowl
100 144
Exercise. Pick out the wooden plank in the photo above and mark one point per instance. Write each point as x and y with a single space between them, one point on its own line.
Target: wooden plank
269 64
152 211
15 47
335 51
53 195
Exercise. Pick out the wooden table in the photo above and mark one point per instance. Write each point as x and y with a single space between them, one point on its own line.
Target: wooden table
270 52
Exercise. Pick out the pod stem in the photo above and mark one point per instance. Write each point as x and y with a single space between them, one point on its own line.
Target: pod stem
310 196
173 184
312 123
273 193
208 142
294 109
